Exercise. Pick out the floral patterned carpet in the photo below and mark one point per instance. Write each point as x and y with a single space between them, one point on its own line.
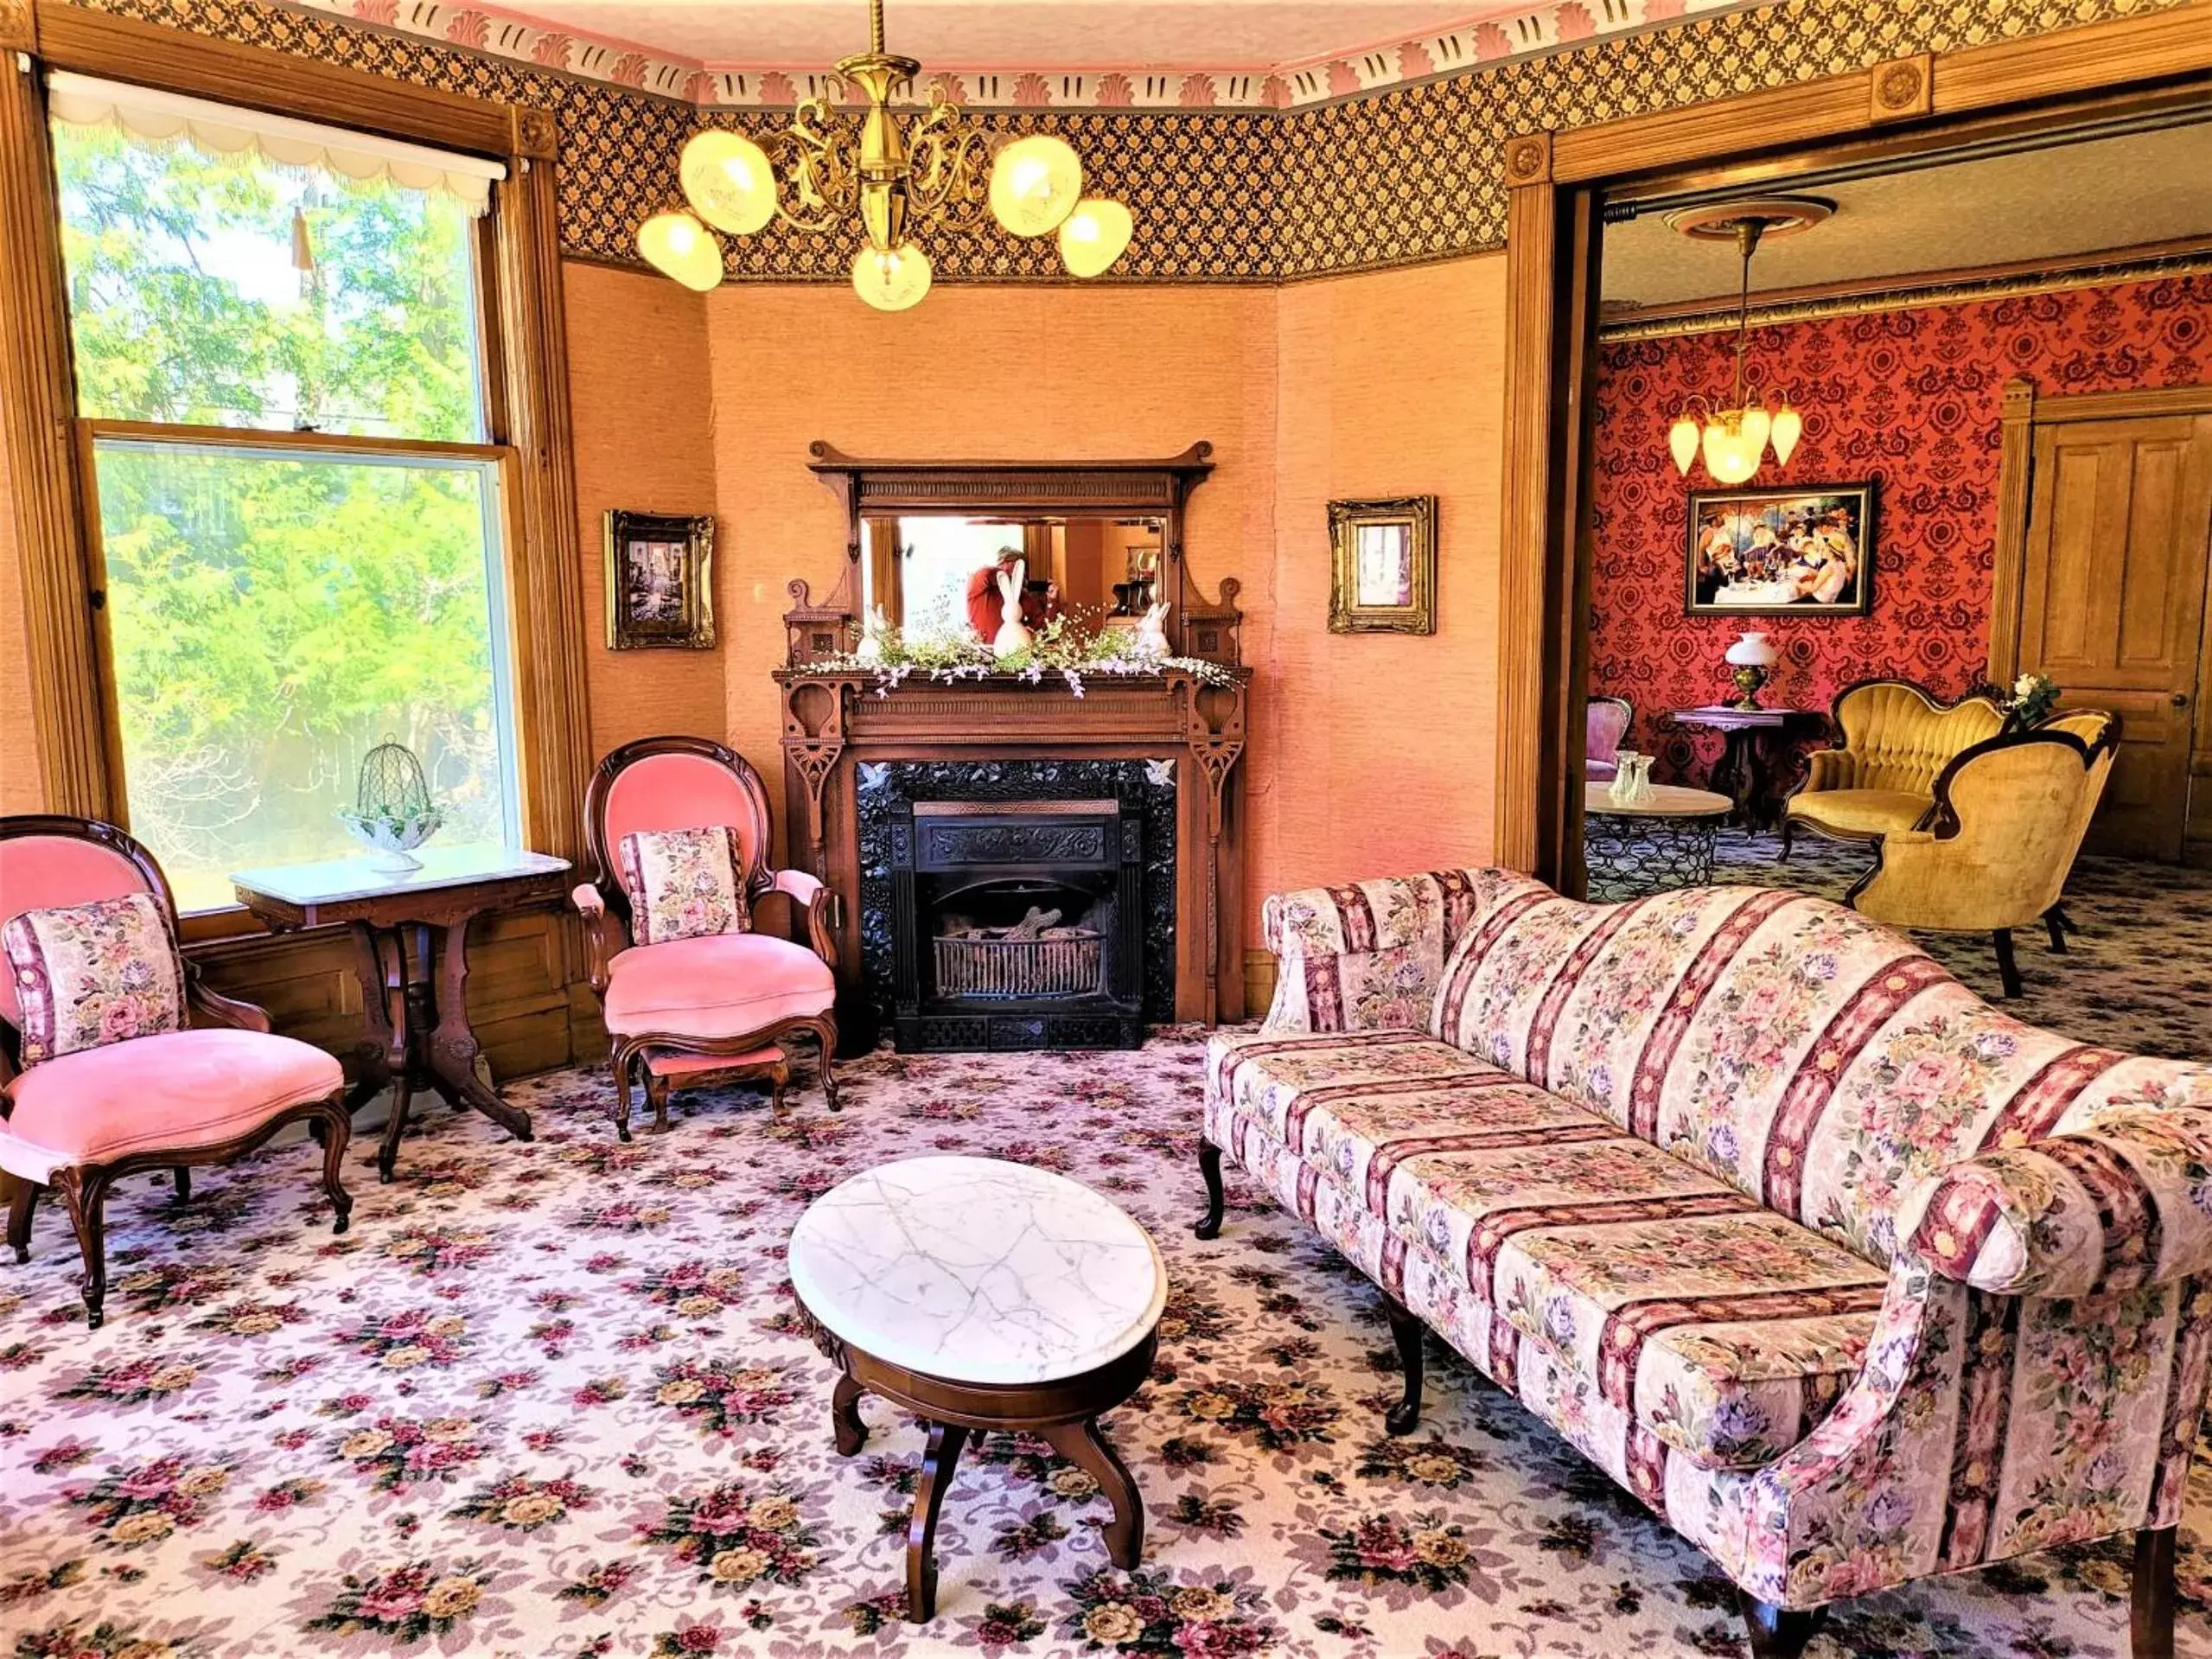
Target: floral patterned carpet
552 1400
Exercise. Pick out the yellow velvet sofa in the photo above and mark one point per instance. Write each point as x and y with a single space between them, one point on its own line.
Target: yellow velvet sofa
2010 816
1892 739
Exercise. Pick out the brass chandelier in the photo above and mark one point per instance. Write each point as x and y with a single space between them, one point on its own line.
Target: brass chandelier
1734 439
939 170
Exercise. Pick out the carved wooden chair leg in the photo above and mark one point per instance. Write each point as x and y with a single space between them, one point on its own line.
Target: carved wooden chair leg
1788 829
1408 1333
182 1178
1209 1165
2058 930
2064 918
2150 1613
1779 1633
779 1080
22 1202
2008 971
622 1094
656 1094
828 1034
938 1462
85 1192
337 1126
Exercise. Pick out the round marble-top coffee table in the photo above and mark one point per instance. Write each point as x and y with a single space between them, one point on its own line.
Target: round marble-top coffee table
981 1295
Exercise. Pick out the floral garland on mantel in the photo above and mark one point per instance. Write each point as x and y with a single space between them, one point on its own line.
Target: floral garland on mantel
890 658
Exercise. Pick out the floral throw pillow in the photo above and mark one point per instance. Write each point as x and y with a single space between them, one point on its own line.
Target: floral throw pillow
683 883
90 974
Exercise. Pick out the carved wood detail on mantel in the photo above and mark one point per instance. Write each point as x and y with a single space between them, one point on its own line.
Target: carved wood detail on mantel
833 722
1159 488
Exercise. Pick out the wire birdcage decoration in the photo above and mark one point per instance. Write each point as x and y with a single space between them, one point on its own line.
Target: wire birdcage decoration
391 810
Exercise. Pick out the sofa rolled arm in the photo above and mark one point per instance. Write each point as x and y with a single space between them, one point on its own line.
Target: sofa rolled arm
820 902
598 945
2122 1201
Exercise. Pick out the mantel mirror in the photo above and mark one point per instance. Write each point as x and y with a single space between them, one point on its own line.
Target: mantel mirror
934 572
1100 542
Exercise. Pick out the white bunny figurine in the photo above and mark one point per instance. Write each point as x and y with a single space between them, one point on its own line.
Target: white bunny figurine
1152 632
1012 638
873 634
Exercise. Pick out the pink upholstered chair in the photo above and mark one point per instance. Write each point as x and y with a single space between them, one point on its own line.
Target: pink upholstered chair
716 1007
80 1120
1605 722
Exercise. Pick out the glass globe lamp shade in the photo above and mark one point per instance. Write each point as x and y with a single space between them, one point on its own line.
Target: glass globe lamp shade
1035 184
729 181
1094 235
1756 424
1730 457
677 245
891 279
1682 440
1754 650
1788 427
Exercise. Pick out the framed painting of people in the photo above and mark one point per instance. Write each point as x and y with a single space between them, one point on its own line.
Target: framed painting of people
660 581
1802 551
1384 566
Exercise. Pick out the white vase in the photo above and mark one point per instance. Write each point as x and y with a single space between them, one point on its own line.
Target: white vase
1012 638
1631 784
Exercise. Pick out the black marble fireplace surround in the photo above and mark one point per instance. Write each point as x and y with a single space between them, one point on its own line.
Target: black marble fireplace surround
1141 992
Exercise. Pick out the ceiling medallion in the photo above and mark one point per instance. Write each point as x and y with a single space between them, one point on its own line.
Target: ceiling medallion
1736 438
940 170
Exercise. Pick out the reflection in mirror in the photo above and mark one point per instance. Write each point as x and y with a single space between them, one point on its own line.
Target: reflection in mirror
935 574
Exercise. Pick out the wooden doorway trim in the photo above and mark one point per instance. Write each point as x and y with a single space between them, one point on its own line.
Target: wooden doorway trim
1556 183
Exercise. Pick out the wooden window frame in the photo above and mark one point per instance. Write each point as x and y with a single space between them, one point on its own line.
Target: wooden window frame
1556 185
524 377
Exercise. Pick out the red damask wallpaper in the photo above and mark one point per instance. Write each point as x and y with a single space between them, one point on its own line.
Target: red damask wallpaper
1910 398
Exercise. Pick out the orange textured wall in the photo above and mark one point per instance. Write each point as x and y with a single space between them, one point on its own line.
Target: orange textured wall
639 397
1376 753
973 373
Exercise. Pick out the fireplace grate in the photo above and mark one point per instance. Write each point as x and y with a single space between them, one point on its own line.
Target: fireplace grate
970 966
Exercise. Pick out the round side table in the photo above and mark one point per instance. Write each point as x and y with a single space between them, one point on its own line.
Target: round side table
1633 848
981 1295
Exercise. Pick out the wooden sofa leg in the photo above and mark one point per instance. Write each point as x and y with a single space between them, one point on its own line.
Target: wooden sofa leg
1780 1633
22 1201
1209 1165
1409 1334
2008 971
85 1192
2150 1615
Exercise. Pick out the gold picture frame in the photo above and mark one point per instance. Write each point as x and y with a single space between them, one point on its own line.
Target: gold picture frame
1383 556
660 582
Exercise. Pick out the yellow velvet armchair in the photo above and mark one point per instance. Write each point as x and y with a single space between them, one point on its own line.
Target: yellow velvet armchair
2009 814
1892 739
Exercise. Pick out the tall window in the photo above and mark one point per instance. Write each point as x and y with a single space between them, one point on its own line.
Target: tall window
275 332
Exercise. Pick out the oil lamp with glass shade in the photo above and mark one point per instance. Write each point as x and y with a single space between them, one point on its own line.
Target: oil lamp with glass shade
936 170
1751 657
1734 439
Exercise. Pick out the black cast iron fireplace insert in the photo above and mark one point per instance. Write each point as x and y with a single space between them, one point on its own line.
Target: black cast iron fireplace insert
1017 924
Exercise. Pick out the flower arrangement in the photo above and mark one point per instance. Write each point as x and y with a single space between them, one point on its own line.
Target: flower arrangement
2034 695
1066 646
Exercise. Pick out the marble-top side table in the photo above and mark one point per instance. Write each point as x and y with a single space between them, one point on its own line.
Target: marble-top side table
982 1295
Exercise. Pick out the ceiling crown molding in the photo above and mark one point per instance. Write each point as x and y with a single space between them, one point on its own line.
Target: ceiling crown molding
1548 26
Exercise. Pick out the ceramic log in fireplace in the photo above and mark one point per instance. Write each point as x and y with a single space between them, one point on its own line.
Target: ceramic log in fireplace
1017 925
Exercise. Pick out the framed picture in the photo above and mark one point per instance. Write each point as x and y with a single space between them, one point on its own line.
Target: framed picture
1385 566
660 582
1800 552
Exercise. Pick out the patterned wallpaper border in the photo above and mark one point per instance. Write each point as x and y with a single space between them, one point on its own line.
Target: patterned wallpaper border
1545 27
1407 175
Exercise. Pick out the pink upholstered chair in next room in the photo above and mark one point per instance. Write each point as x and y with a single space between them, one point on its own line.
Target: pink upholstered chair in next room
678 830
1605 723
102 1073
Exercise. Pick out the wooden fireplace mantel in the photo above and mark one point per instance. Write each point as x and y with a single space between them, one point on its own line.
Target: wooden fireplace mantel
833 721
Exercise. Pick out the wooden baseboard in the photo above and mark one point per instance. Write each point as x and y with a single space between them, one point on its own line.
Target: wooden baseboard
1259 983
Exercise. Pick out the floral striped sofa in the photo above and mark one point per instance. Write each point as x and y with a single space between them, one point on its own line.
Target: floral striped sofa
1849 1277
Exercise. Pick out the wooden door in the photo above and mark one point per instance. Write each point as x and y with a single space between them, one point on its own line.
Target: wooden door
2112 602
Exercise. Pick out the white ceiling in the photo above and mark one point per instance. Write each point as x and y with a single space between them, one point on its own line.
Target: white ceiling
2079 198
1015 33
